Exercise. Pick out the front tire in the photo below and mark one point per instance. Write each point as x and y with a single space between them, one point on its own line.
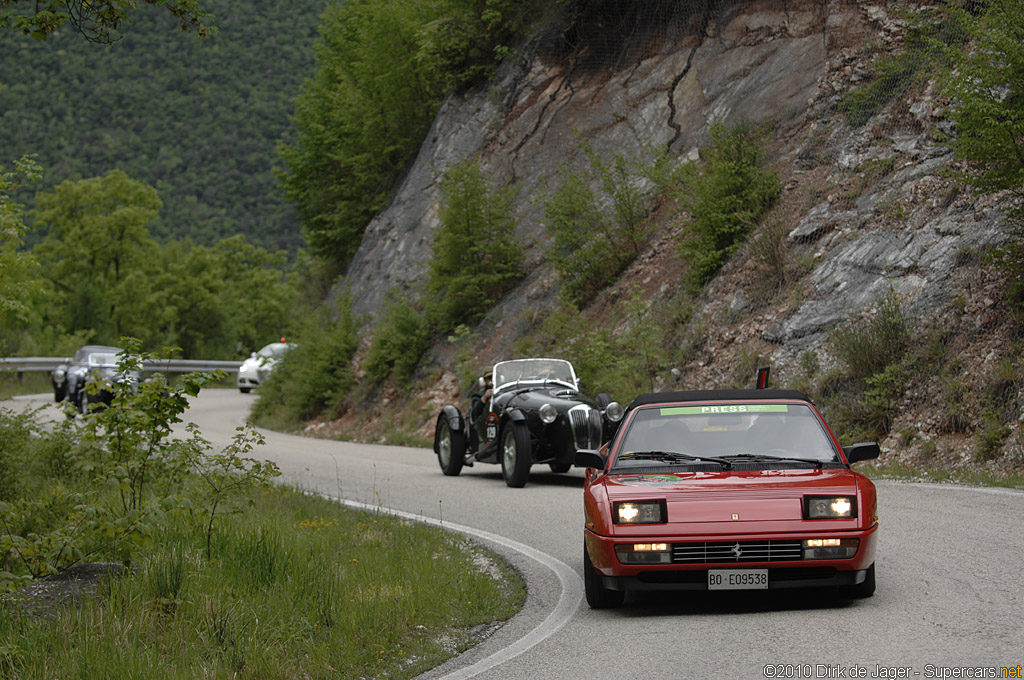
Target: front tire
450 447
245 390
598 597
560 467
515 455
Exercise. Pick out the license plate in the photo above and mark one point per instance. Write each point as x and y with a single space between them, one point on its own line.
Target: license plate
492 432
737 579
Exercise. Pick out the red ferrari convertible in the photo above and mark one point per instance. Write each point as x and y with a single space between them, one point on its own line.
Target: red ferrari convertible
726 490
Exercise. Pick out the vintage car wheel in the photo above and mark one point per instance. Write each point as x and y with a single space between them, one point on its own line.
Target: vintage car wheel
451 448
515 455
244 390
598 597
867 587
560 467
602 399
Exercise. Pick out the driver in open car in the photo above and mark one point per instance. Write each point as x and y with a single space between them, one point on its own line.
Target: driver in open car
478 404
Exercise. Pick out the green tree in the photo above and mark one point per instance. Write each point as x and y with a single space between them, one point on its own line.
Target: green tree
359 121
384 67
475 255
597 219
986 85
400 339
219 301
16 278
96 237
96 21
727 195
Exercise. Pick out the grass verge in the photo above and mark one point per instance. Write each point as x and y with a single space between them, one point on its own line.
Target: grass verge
297 586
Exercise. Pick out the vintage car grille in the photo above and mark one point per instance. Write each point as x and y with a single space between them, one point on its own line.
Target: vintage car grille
733 551
586 426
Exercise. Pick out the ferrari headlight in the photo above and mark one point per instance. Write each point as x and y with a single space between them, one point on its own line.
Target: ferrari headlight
830 507
830 548
644 553
640 512
548 413
614 411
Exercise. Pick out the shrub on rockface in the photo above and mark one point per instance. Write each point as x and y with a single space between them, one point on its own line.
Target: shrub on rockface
400 339
317 374
476 255
727 194
597 218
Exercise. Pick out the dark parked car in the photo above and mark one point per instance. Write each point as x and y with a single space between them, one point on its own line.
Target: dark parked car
534 414
726 490
90 363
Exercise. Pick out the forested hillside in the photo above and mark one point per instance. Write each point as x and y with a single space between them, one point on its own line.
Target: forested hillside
199 120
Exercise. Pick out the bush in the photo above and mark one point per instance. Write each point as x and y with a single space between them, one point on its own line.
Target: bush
317 374
399 340
727 195
596 233
866 347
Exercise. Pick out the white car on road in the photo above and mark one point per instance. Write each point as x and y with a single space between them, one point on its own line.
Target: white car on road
258 366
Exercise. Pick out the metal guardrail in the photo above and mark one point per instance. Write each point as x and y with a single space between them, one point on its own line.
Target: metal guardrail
46 364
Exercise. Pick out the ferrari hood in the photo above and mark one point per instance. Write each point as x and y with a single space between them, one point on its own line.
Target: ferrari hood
732 497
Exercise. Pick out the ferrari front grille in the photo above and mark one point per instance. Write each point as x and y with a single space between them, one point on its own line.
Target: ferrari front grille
586 426
736 551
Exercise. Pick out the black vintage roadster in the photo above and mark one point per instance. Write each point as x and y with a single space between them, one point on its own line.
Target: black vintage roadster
535 414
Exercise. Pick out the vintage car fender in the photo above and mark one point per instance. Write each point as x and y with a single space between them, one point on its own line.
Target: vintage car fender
515 415
455 420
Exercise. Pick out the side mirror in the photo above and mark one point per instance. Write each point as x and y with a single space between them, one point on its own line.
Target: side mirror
589 458
862 451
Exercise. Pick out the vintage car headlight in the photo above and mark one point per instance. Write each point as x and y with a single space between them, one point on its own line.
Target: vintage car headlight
830 507
644 553
243 368
640 512
830 548
548 413
614 411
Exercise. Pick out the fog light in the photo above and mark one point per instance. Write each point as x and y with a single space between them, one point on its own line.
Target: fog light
644 553
830 548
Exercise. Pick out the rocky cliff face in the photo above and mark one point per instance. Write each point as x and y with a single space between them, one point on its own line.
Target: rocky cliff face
869 209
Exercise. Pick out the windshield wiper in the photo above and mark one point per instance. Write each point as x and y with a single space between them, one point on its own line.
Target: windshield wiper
764 458
672 457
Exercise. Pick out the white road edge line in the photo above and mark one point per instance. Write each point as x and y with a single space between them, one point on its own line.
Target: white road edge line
568 600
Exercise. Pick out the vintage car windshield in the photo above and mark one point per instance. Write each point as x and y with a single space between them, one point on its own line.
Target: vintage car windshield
734 432
508 374
103 359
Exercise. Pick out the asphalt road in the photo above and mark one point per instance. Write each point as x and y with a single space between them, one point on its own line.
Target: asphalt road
948 604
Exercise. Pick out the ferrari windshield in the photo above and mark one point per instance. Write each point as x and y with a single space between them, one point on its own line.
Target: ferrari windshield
724 434
519 371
